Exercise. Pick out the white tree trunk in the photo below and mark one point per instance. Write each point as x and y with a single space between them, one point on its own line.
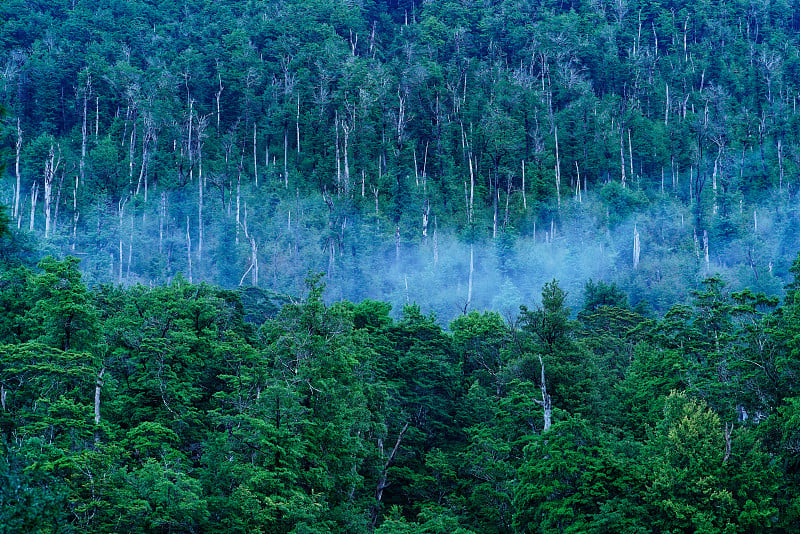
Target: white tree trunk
545 401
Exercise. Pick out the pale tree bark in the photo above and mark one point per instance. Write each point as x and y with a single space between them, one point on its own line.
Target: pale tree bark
622 155
218 96
375 193
51 165
346 129
148 138
338 154
162 214
252 267
558 169
17 192
286 155
297 131
383 482
120 213
636 247
34 198
545 402
189 250
75 214
426 211
471 274
98 386
435 243
202 124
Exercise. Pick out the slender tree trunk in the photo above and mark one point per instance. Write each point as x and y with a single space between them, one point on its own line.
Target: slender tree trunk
384 475
238 201
545 401
34 198
98 386
346 128
162 214
524 199
471 274
622 155
471 212
297 127
200 194
17 190
338 155
75 214
189 250
218 96
130 251
426 211
120 214
558 170
255 155
50 168
286 155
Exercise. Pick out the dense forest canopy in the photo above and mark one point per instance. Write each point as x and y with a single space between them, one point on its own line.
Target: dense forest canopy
457 154
560 258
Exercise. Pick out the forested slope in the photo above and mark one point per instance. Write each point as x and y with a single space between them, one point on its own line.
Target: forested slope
188 408
439 152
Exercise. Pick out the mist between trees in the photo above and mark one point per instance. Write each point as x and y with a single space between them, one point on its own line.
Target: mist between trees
455 156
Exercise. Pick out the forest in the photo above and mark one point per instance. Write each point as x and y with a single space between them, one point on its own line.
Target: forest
393 266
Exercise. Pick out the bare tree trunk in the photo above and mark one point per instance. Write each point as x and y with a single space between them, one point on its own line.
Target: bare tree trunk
297 127
435 243
34 198
338 156
218 96
383 478
471 274
189 250
120 213
630 154
75 215
636 247
426 211
286 155
238 201
50 169
97 388
622 155
346 129
130 251
255 155
524 199
147 137
727 436
545 402
558 170
200 194
131 150
471 211
57 203
17 191
508 200
162 214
